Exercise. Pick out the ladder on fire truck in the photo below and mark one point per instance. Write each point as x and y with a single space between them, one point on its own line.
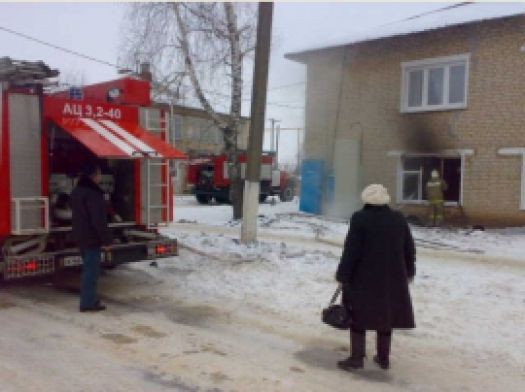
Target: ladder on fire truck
160 127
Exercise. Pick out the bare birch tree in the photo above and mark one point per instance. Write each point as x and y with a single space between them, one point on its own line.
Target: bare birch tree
205 45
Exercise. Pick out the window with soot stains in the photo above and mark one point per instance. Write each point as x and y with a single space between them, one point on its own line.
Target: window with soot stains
416 172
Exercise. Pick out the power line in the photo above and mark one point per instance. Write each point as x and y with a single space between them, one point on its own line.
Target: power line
72 52
462 4
107 63
448 7
278 104
286 86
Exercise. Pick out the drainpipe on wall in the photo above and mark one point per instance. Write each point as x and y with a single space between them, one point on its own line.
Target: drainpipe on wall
330 157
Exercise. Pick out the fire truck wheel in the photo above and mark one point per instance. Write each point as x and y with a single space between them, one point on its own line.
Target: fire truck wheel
203 199
262 198
287 194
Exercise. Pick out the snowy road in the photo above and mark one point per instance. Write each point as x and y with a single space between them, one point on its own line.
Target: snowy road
162 332
247 319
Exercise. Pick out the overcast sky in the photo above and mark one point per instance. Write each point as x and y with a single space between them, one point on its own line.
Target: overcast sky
94 29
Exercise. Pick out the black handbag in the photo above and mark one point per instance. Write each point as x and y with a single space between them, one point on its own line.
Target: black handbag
337 316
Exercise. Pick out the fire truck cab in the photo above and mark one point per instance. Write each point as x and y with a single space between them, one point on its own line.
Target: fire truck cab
45 138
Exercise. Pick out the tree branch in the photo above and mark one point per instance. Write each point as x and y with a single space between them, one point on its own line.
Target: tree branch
183 40
236 67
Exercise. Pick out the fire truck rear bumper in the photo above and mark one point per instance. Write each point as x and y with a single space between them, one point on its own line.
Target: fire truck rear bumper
26 266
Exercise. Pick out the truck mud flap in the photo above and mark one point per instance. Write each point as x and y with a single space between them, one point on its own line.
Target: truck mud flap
127 254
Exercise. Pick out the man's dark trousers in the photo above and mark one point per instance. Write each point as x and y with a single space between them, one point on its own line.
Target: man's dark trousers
90 273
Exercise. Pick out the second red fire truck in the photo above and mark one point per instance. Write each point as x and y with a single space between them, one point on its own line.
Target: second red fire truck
209 179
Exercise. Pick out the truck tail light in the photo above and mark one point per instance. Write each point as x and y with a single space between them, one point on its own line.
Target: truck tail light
163 248
22 267
31 266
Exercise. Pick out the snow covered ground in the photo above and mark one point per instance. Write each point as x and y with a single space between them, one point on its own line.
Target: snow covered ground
475 306
223 316
285 218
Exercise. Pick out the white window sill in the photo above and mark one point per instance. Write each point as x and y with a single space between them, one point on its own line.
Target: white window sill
433 108
426 203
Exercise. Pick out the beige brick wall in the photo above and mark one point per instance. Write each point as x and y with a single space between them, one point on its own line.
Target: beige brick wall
369 85
200 135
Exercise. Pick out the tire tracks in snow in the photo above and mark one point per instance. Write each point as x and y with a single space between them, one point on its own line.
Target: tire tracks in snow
424 247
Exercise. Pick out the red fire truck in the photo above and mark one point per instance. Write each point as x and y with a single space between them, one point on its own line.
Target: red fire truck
44 139
210 180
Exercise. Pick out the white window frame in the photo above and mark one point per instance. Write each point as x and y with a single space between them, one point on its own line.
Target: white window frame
460 153
401 176
425 65
517 151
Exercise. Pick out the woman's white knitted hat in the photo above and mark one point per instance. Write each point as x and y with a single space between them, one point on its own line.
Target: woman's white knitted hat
375 194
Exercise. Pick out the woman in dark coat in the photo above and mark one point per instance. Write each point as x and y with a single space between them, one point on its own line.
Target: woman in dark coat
377 264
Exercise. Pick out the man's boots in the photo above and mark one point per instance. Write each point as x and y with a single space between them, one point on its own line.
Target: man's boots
358 346
382 357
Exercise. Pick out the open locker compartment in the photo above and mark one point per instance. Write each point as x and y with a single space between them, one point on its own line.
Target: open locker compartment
66 157
136 188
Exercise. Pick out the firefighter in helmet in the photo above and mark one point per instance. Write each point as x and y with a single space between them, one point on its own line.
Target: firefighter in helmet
436 188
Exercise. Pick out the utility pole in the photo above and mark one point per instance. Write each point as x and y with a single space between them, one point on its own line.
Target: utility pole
298 132
299 149
272 138
278 135
272 135
255 141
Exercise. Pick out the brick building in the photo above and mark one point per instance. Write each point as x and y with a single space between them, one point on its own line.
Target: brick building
443 91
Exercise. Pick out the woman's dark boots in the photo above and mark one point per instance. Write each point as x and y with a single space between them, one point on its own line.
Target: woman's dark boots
382 357
358 346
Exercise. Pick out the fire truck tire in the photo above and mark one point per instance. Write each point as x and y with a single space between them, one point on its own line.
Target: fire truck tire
203 199
262 197
286 194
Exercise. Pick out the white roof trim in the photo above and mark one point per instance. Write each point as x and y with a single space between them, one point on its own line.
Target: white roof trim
510 151
458 58
459 151
440 18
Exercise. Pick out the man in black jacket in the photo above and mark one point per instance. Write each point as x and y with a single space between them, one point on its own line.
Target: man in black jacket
377 263
90 231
